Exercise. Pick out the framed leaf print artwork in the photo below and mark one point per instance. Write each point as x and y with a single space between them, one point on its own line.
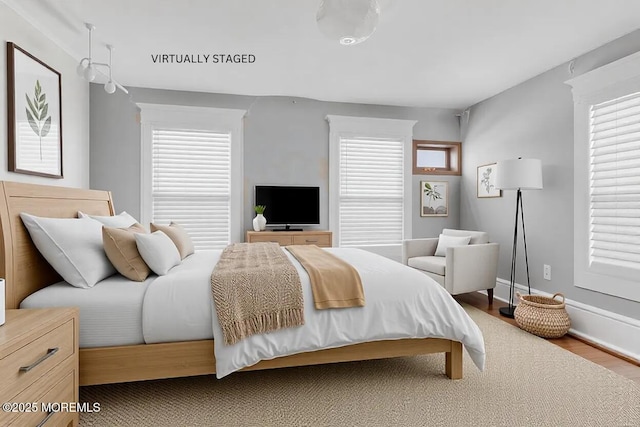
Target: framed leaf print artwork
487 181
34 92
434 198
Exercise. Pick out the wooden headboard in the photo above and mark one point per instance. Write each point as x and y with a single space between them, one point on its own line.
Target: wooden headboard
23 268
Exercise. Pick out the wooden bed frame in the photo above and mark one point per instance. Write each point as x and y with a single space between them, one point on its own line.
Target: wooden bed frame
26 271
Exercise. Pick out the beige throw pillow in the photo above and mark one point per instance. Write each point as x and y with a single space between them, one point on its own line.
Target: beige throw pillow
120 247
178 236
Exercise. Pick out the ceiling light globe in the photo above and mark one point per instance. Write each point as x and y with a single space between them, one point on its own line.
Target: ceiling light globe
346 41
110 87
90 73
80 69
348 22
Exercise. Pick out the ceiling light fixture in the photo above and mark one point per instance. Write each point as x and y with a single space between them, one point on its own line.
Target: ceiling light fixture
88 69
348 21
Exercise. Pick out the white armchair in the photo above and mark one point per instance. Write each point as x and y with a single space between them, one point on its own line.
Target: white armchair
468 268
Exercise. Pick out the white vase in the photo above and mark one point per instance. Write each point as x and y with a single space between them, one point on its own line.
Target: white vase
259 223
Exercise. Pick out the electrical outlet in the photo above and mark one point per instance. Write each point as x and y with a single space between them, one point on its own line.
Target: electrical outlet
547 272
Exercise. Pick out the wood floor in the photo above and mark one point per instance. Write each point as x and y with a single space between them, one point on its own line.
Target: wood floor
574 345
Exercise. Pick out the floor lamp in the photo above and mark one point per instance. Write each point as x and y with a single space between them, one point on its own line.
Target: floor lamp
518 174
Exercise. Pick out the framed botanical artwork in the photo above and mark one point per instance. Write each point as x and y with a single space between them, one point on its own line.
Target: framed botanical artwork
434 198
34 107
486 182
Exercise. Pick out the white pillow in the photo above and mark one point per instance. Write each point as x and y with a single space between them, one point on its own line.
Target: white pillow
158 251
124 220
73 247
445 242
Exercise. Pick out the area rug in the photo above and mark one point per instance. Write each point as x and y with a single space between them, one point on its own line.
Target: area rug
527 382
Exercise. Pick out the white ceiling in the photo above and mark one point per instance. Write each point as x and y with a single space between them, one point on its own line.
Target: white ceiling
438 53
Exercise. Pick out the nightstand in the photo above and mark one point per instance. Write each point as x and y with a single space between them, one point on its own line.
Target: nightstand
39 364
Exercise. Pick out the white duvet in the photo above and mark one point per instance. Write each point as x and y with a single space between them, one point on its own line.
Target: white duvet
400 303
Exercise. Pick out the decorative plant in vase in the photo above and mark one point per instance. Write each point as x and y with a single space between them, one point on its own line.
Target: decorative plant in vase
259 222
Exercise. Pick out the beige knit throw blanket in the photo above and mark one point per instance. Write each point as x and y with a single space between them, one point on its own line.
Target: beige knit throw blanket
255 290
334 282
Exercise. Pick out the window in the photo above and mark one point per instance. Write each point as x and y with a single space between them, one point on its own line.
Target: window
191 183
614 185
192 171
436 158
371 199
606 180
369 185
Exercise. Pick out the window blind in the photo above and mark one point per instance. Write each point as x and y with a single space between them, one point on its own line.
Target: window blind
191 183
371 202
615 182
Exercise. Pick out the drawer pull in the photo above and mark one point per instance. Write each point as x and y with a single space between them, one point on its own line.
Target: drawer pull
311 241
44 421
50 353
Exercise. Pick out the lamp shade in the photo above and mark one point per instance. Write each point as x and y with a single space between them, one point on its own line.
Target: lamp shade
524 174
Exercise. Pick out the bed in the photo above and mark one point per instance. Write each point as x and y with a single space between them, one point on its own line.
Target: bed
26 272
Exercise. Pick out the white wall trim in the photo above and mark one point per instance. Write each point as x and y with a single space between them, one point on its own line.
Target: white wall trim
374 127
205 118
145 172
619 78
601 78
605 328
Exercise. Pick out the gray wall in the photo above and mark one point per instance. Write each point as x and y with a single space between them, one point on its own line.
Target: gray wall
286 141
75 102
535 119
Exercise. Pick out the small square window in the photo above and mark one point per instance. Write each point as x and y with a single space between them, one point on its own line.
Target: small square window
436 158
428 158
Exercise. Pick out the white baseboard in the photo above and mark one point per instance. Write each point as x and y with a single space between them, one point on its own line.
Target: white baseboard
610 330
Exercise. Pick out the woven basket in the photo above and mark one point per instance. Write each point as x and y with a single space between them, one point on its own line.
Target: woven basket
542 316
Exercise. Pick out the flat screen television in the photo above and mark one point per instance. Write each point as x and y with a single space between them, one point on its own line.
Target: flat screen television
289 205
